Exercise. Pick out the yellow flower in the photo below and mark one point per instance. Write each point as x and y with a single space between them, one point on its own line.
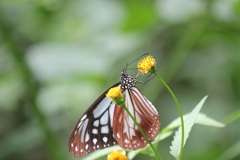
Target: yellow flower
147 65
113 92
117 155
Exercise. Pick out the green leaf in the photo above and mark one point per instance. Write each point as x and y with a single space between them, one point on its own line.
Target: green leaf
188 123
201 119
207 121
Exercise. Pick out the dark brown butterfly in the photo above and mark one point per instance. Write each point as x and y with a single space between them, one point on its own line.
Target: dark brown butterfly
105 124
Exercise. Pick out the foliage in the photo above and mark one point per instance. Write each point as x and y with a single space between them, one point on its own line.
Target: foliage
56 57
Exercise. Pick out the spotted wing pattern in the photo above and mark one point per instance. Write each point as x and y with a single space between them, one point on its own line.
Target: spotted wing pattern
105 124
93 130
125 131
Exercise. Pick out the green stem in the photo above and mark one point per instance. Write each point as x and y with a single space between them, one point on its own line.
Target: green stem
179 110
142 132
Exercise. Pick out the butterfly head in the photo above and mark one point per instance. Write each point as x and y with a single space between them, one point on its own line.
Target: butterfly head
127 81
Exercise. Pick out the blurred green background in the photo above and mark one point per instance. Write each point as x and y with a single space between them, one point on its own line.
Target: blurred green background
58 56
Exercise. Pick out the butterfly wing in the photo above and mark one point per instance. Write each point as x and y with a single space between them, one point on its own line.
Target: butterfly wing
93 130
126 133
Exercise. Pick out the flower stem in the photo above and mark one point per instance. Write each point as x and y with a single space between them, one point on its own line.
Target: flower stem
142 132
179 110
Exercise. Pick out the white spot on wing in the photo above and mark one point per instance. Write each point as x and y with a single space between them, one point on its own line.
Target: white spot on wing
96 123
83 117
79 124
87 137
95 131
105 139
86 147
125 129
94 140
111 112
126 141
84 128
101 107
137 117
132 133
76 148
104 129
104 118
118 135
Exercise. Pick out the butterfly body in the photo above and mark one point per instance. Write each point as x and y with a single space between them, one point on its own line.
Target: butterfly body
105 124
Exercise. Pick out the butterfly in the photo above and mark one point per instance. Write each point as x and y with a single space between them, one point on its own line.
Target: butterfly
105 124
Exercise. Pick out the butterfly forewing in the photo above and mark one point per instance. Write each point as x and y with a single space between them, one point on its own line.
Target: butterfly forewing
93 130
105 124
125 131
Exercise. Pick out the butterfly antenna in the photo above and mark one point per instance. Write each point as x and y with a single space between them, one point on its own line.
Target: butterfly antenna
138 58
126 67
147 79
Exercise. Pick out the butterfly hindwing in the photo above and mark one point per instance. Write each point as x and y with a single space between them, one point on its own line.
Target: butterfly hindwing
125 131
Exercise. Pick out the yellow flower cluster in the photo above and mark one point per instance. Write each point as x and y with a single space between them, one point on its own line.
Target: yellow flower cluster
146 64
117 155
113 92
